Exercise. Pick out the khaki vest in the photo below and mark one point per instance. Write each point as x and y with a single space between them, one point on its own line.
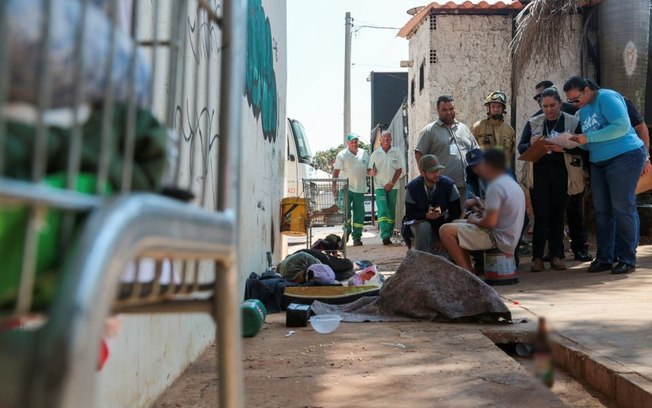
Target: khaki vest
497 133
575 174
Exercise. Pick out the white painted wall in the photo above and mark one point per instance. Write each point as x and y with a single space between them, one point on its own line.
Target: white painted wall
151 351
419 112
473 60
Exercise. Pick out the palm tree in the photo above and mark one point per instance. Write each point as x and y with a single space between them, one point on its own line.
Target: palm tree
540 31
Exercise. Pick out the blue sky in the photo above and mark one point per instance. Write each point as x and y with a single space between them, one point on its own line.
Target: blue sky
316 62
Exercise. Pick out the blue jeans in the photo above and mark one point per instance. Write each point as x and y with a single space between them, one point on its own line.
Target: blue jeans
614 183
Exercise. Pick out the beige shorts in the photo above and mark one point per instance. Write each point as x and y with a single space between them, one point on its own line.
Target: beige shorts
474 238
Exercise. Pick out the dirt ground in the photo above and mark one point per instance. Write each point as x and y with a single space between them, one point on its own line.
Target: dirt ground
379 365
368 365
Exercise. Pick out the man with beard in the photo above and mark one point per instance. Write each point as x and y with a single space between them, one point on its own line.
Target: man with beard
431 200
449 140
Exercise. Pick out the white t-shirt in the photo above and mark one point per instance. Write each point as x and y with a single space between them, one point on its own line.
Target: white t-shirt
506 196
353 167
386 165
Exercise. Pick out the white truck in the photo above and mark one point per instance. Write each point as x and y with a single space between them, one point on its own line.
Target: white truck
298 160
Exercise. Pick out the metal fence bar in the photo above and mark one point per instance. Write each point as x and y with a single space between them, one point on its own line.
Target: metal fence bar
155 45
229 351
207 137
130 131
5 70
74 153
196 106
39 163
119 231
182 101
107 108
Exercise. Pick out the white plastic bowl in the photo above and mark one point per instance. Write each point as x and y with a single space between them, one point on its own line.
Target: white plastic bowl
325 323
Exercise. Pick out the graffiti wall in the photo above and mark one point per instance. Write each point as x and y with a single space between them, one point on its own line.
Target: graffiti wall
264 123
152 351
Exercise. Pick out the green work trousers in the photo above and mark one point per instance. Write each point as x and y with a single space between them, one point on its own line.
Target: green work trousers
386 203
355 213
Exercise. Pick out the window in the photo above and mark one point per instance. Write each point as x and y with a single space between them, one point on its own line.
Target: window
300 139
433 56
412 92
422 74
433 21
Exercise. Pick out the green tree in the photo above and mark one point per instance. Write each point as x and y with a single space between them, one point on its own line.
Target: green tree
325 159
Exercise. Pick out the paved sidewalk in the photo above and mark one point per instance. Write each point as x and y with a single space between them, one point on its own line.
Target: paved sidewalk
426 364
610 315
369 365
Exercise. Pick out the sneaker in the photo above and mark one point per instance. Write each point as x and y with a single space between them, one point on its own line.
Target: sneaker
622 268
583 256
357 242
387 241
598 266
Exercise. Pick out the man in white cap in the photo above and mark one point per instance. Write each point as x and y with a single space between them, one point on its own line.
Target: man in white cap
352 163
386 167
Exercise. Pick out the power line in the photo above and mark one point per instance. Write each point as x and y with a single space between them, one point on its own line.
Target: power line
357 28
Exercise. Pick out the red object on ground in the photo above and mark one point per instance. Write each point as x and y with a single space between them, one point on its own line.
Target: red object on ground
516 302
103 355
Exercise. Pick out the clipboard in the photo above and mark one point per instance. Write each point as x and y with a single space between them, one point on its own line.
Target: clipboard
535 152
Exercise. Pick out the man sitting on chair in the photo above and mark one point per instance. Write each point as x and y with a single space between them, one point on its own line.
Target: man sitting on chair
498 219
430 201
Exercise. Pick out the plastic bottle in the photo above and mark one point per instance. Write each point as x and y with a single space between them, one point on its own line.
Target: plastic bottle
253 316
543 364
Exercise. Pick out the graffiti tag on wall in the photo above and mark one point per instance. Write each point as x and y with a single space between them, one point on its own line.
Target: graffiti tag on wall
260 86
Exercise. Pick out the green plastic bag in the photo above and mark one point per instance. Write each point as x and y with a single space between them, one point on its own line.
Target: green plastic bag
13 230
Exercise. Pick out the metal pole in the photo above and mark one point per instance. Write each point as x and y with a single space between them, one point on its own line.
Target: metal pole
347 76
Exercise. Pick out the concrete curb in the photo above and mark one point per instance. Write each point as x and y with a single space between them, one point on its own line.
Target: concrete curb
625 387
628 389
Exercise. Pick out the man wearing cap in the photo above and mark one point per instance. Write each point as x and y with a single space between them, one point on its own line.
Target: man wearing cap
352 163
499 222
476 186
431 200
447 139
386 167
493 131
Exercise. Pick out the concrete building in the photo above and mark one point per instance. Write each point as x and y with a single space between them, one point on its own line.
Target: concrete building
463 50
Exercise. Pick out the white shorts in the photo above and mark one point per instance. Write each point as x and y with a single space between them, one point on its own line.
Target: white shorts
474 238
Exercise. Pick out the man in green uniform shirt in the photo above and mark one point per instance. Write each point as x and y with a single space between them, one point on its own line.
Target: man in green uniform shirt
352 163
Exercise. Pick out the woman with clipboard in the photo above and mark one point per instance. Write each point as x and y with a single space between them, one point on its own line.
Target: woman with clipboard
551 175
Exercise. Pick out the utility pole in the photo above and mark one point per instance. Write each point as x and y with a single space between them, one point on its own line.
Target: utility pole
347 76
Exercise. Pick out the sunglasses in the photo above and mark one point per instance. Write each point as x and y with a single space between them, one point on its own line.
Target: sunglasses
537 97
576 100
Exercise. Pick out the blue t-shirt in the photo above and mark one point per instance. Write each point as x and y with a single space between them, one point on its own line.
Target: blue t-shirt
606 124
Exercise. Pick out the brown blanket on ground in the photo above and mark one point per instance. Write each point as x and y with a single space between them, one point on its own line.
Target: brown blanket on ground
426 287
